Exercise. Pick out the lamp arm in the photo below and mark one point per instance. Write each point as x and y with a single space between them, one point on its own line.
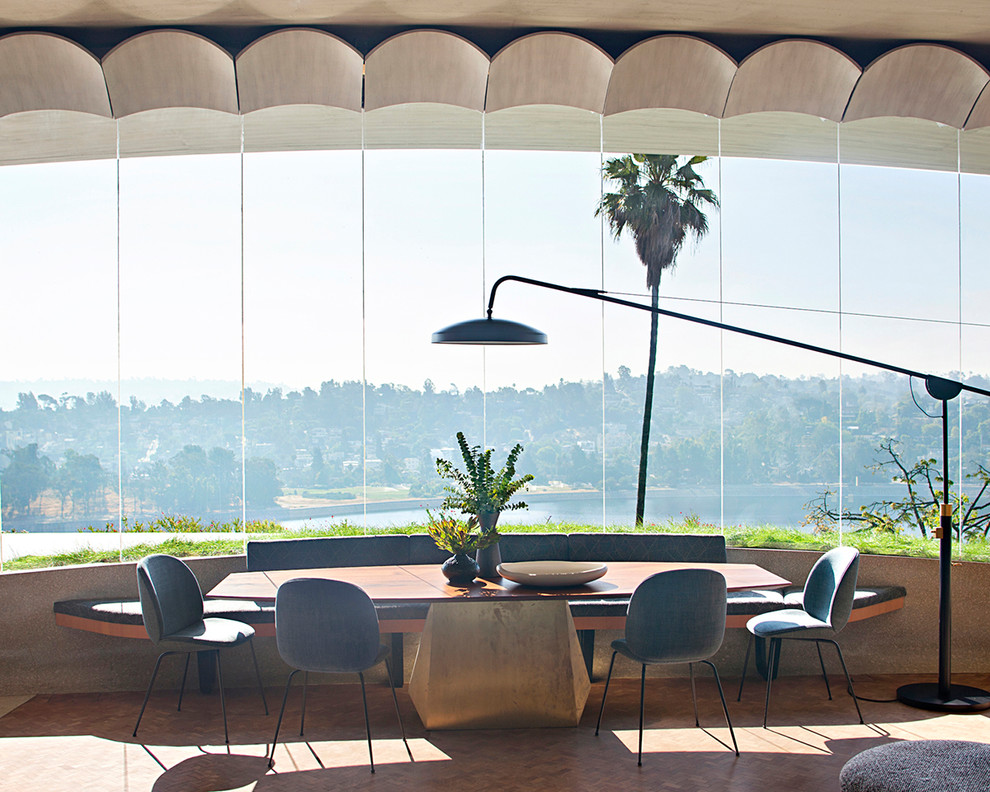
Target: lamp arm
943 386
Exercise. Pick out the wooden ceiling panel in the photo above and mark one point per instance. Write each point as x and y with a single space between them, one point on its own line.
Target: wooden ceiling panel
178 131
422 125
794 76
899 143
56 136
980 117
169 68
781 135
549 69
543 128
299 67
661 131
40 71
426 66
974 151
884 20
927 81
671 72
302 128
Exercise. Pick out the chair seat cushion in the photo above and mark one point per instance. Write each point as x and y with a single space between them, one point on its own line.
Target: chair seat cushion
919 766
789 623
211 633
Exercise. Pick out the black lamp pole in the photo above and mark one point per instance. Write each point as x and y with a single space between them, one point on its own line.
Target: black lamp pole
943 696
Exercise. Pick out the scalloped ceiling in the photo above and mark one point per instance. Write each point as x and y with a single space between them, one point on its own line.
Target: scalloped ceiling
174 91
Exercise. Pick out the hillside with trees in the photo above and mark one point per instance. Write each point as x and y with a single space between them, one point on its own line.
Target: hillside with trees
58 456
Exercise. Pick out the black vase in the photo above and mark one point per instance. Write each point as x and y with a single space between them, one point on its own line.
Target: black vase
489 557
460 569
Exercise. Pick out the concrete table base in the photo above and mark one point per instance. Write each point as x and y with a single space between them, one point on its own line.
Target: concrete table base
499 665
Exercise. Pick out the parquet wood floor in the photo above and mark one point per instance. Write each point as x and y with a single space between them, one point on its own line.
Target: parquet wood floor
82 742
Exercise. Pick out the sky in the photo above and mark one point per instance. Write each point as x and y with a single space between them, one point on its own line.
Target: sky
350 262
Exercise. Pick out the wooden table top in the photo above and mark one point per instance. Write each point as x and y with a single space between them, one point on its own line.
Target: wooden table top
426 583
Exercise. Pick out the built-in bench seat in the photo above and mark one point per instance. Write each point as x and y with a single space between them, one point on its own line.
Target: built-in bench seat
123 618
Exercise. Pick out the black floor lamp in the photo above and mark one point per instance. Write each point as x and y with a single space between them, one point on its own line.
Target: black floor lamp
941 696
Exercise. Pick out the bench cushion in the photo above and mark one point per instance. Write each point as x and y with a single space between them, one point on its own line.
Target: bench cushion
129 611
864 598
327 551
423 550
753 603
605 547
534 547
513 547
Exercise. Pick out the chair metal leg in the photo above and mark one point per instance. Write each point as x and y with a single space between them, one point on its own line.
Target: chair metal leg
821 662
223 702
402 729
642 699
367 721
849 681
281 712
147 694
725 709
694 694
257 673
605 693
182 687
302 716
773 666
742 679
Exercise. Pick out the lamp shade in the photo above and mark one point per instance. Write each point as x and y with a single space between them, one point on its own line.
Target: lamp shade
495 332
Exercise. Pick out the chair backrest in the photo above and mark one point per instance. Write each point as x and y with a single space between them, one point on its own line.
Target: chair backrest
831 586
677 616
171 598
326 625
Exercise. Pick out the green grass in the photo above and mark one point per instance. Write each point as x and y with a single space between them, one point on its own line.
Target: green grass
767 536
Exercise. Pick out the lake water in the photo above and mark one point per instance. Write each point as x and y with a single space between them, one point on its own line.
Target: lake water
779 505
782 505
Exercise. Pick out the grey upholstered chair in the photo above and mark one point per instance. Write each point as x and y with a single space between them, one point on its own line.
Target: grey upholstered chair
825 607
674 617
328 626
172 607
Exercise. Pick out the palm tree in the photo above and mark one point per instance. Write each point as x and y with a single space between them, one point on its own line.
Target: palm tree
659 199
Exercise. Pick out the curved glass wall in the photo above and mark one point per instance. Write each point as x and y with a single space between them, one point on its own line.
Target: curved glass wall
269 355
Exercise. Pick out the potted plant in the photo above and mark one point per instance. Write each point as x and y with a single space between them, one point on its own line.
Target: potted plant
480 491
459 537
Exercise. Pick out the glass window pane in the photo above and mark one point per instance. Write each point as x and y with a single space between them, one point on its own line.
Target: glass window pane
303 335
58 349
423 271
540 223
180 324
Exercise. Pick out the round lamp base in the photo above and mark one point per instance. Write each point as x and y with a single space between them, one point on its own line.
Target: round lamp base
961 698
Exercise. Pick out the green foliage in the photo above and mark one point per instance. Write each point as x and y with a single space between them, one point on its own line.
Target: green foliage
179 523
659 199
24 479
458 536
769 536
919 508
479 489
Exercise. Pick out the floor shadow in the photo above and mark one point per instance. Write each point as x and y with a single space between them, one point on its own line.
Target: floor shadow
212 773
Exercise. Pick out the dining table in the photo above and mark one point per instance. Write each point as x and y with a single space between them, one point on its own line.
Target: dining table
493 653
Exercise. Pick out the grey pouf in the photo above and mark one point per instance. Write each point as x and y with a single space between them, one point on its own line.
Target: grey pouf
919 766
